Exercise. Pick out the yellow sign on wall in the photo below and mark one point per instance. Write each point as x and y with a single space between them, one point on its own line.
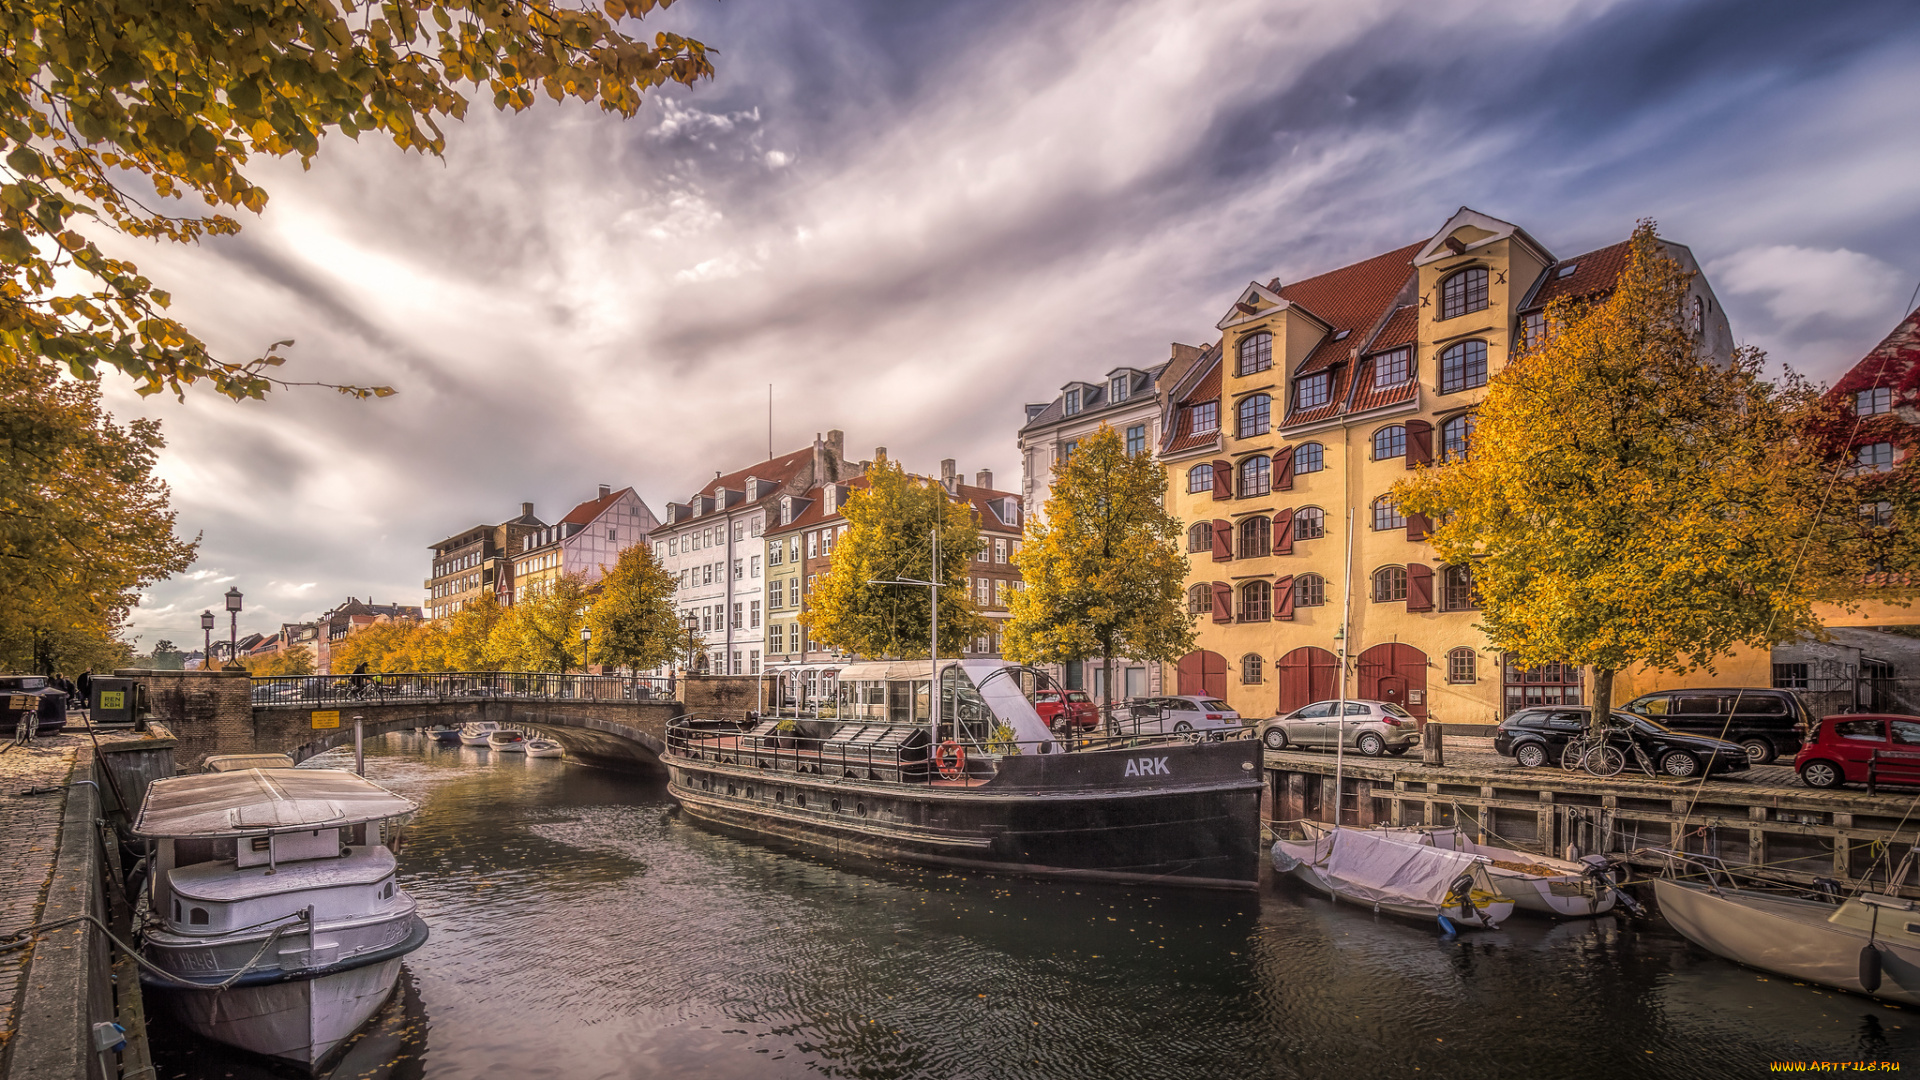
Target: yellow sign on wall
113 699
328 719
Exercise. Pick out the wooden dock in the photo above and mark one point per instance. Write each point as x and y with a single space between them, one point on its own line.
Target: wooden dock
1761 818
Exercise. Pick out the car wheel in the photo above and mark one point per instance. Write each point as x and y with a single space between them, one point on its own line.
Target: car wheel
1679 763
1821 773
1371 745
1759 751
1275 739
1531 755
1183 728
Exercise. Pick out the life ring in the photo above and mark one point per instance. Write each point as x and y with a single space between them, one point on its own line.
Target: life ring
951 758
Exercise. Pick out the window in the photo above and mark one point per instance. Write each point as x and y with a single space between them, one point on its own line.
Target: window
1455 435
1117 388
1456 589
1312 391
1000 550
1070 402
1200 537
1389 584
739 530
813 545
776 553
793 549
754 530
826 541
1463 367
1251 668
1206 417
1253 415
738 610
1256 353
753 615
1309 523
1393 368
1067 448
1000 592
706 574
1199 478
753 566
982 589
1199 600
753 661
1464 292
739 569
613 535
1877 514
776 638
1460 665
1256 537
1136 440
1390 442
1790 677
1309 457
1547 684
706 618
810 578
1256 601
1309 590
1533 330
1874 457
1386 514
1873 402
1256 476
736 662
793 592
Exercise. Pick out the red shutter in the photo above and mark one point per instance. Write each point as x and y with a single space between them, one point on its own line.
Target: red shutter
1222 602
1222 541
1283 469
1223 479
1419 526
1419 443
1283 599
1419 587
1283 532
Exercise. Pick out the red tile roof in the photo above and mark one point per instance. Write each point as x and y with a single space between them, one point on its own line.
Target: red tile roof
1336 402
977 497
1889 363
779 470
1352 298
586 512
1402 328
1369 396
1594 274
1208 390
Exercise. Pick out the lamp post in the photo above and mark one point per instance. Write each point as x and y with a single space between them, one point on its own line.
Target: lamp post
692 625
233 629
206 650
586 635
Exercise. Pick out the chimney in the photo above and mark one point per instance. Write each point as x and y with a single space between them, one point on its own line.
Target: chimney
526 509
948 479
879 454
820 465
983 479
605 491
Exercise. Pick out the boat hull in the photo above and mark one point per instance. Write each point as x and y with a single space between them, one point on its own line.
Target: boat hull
1569 894
473 740
1303 860
1786 937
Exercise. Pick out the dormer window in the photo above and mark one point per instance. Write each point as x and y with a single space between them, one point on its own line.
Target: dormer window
1313 391
1464 292
1117 388
1566 271
1070 402
1256 353
1206 417
1393 368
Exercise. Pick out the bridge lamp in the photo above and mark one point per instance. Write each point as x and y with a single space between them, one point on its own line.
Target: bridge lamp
692 623
206 651
586 635
233 628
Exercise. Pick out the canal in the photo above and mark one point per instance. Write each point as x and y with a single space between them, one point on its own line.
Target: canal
581 929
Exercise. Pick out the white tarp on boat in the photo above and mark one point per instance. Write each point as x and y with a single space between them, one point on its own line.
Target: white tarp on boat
1373 866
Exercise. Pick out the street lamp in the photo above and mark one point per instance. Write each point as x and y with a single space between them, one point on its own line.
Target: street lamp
692 623
233 629
586 635
206 651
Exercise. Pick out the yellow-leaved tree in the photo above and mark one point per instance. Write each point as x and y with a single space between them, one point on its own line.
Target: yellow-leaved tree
890 526
541 632
1627 500
632 619
1102 566
469 632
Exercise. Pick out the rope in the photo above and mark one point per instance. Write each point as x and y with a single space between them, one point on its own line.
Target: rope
15 941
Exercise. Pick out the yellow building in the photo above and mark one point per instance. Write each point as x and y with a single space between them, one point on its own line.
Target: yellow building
1282 442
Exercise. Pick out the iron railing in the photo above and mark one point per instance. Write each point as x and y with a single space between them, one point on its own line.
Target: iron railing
304 691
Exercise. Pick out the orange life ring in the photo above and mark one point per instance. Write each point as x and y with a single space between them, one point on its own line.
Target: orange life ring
951 758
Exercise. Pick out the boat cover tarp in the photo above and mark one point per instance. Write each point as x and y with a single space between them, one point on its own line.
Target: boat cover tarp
257 801
1373 866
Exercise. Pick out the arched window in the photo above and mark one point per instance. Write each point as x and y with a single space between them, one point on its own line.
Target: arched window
1309 523
1463 367
1309 457
1461 665
1256 601
1256 475
1455 436
1256 353
1309 590
1200 537
1256 537
1253 415
1456 589
1387 515
1464 292
1199 478
1390 442
1199 599
1251 668
1389 584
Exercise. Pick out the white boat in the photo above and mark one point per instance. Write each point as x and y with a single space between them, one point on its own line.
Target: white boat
1867 945
237 762
273 906
445 733
545 748
476 734
1394 874
507 741
1542 884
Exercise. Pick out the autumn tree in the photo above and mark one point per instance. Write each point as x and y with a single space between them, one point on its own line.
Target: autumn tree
1102 566
890 525
112 116
633 620
541 632
1627 500
84 525
295 661
468 633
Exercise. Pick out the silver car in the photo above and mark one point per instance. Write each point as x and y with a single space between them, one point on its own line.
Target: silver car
1189 714
1371 727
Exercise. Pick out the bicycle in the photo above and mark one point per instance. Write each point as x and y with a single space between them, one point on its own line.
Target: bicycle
1599 757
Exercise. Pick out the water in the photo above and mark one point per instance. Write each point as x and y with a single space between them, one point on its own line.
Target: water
581 930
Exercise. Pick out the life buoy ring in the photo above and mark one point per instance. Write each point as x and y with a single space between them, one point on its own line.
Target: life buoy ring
951 758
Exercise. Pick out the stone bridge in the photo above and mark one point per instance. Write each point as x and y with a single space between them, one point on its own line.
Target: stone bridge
216 712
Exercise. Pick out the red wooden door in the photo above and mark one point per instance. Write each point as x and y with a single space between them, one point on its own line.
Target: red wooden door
1395 672
1307 675
1203 672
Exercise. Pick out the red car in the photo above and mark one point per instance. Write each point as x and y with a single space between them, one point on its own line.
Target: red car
1050 703
1844 746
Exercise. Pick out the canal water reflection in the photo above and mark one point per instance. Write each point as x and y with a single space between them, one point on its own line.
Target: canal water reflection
581 930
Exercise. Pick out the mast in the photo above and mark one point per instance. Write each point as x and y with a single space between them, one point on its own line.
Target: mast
1340 722
933 688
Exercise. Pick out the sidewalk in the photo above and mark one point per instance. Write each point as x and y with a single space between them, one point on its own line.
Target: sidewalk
29 835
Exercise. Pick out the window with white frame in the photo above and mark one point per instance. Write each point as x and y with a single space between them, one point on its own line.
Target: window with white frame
1873 402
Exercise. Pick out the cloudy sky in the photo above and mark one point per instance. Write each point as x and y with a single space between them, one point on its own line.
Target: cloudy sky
912 217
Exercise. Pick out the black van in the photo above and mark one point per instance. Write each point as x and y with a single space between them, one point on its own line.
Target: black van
1767 722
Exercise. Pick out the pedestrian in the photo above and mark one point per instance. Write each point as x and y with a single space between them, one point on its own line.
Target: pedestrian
359 680
86 688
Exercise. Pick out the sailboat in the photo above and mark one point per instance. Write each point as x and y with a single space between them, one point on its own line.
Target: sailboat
1395 874
1542 884
1869 944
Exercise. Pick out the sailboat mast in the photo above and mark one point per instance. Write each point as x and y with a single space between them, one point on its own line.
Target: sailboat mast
933 688
1340 722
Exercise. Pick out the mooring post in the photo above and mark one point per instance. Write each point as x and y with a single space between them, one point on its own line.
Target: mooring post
359 745
1432 751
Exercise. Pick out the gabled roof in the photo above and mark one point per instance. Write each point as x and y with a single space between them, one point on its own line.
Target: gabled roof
1437 249
1582 276
1180 435
1890 363
816 511
1402 329
1352 299
1367 396
1096 397
588 512
817 514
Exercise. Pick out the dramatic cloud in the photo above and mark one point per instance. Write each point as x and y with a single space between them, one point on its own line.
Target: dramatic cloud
911 218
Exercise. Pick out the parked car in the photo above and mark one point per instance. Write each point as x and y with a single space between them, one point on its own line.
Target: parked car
1371 727
22 696
1051 703
1844 748
1767 722
1536 737
1180 715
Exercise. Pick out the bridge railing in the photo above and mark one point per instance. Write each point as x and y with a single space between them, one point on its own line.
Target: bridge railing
441 686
